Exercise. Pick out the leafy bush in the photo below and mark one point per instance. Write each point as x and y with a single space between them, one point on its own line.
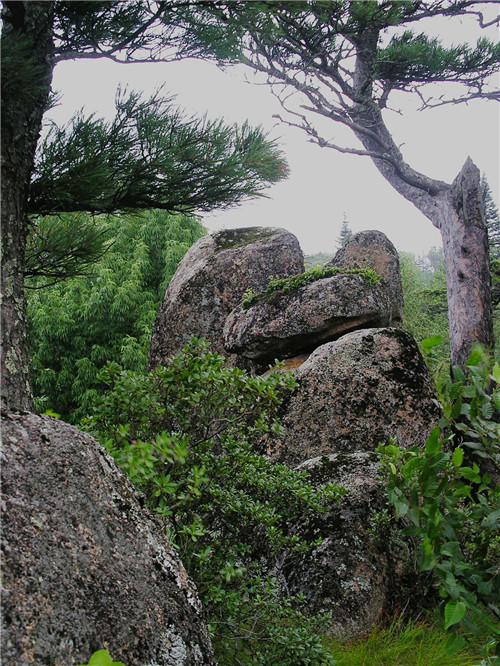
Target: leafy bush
187 435
450 504
286 285
79 325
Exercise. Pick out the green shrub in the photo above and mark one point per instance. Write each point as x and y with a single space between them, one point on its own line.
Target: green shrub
450 504
188 436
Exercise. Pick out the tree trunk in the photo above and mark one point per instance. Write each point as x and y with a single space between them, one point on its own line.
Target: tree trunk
468 276
27 54
458 212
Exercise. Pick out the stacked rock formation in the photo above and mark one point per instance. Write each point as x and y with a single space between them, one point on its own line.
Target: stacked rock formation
211 280
360 380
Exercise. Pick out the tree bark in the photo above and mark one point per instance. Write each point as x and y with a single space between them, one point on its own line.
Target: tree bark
27 50
468 275
458 212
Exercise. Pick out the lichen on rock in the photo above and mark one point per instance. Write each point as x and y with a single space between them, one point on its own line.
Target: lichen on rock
85 565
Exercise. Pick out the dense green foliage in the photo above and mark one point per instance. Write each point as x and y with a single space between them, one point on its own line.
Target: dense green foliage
63 246
150 156
425 306
492 219
79 325
451 502
187 435
287 285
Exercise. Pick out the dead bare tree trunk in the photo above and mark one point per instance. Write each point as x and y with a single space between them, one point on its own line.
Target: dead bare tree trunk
468 276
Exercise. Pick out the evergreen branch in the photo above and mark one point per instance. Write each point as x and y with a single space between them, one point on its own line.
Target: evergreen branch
150 156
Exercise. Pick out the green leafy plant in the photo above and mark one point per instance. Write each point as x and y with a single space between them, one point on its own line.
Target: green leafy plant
102 658
451 505
189 436
79 325
287 285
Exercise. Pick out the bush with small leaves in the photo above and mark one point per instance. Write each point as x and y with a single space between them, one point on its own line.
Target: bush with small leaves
189 436
450 505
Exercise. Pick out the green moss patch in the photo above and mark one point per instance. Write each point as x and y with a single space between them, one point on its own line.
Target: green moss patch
230 239
287 285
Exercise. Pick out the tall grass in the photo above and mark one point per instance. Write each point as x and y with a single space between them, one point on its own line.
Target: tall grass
403 643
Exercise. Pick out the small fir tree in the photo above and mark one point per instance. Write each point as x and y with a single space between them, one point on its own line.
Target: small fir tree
345 232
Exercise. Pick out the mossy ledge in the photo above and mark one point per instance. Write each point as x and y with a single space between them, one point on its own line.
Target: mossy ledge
230 239
286 285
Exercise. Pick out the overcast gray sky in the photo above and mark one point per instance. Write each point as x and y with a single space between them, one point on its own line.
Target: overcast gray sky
323 184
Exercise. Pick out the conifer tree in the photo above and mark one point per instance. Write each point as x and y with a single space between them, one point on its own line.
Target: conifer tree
345 232
492 219
150 156
343 61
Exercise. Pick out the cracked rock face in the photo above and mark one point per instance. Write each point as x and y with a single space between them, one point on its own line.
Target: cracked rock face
366 387
372 249
287 325
85 565
211 280
351 573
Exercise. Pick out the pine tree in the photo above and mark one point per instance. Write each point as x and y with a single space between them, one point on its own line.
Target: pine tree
342 61
345 232
150 156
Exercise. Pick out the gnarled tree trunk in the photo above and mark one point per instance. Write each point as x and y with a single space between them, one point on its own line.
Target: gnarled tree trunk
458 212
468 276
27 54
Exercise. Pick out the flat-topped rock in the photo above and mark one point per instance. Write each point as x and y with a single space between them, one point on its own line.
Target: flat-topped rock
372 249
211 280
286 325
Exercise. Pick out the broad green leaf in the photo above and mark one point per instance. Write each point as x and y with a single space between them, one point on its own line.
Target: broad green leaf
432 341
492 520
102 658
496 372
475 357
433 445
458 457
454 611
454 644
456 410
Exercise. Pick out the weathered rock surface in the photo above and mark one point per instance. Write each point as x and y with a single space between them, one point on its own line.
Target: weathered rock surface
286 325
366 387
372 249
211 280
353 572
85 567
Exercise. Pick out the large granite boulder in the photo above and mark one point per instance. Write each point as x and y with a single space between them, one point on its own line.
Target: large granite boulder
85 566
372 249
355 571
286 325
211 280
366 387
